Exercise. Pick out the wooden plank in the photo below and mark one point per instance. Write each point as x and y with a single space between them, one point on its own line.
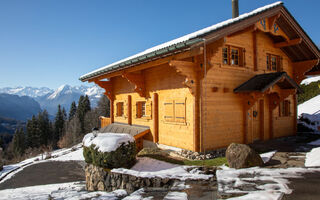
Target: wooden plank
255 52
261 118
129 110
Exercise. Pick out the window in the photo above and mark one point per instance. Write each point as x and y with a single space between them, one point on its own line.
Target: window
175 110
284 108
143 109
232 55
274 63
120 109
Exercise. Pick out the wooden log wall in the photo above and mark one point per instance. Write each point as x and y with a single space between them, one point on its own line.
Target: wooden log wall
225 118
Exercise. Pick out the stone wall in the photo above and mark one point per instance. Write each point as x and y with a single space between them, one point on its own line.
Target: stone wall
99 179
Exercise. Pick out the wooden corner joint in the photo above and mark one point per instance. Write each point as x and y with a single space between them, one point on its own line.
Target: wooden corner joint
302 67
107 86
137 79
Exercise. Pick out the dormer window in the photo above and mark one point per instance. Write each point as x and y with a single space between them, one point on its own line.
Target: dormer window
232 55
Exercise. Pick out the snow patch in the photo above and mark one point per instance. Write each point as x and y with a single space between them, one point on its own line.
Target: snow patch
150 168
307 81
315 143
313 158
106 142
267 156
176 196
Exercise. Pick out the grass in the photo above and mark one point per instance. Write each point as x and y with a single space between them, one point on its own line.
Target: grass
162 156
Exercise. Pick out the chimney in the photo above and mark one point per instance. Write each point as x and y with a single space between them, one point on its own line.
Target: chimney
235 8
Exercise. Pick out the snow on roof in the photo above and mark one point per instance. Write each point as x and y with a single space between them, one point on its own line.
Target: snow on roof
182 39
106 142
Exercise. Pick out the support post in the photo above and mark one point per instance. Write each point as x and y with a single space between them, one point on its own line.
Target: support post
155 118
129 110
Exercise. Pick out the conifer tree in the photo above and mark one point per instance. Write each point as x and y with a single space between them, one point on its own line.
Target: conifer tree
19 142
73 110
58 126
44 128
83 108
33 132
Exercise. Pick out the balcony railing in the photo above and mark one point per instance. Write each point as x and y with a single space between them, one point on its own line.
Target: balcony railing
105 121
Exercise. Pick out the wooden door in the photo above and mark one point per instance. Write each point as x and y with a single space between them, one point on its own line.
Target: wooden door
256 121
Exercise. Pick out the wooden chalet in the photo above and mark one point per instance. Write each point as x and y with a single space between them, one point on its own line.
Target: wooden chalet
236 81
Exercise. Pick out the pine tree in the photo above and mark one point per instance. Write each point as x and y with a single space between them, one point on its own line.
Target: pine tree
33 132
19 142
73 110
44 128
83 108
103 107
58 126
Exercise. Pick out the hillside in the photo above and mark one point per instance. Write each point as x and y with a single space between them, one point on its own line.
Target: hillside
16 107
310 89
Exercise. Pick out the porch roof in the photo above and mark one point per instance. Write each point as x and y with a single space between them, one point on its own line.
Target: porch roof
136 131
261 82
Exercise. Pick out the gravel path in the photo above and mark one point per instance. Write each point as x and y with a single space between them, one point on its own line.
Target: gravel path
46 173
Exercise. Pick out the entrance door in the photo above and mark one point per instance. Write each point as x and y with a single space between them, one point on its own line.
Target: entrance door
257 120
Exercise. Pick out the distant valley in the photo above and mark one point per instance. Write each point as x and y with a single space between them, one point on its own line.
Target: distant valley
20 103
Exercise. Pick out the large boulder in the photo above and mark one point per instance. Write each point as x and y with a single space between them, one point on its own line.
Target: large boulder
242 156
109 150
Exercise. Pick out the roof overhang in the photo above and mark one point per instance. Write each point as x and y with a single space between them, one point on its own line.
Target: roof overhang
262 82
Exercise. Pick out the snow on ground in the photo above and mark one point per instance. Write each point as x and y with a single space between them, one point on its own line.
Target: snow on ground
313 158
67 154
106 142
67 191
267 156
307 81
148 167
310 110
258 183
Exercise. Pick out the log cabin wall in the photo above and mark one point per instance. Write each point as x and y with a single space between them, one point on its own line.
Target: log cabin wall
164 81
222 110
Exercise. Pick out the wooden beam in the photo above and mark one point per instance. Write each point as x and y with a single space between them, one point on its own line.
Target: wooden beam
155 114
137 80
300 69
255 51
129 110
288 43
188 70
107 86
272 20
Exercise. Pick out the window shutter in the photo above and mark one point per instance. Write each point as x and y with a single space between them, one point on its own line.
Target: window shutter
180 110
242 57
148 109
279 64
168 111
134 110
125 108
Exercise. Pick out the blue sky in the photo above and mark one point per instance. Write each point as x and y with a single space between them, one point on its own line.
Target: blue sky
54 42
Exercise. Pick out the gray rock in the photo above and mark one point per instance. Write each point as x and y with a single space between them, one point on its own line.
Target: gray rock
242 156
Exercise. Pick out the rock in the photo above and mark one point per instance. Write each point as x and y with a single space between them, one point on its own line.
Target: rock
100 186
196 153
242 156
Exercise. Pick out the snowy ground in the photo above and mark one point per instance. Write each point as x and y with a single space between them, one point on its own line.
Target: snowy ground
68 154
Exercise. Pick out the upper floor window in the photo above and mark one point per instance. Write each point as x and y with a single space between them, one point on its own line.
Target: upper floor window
232 55
274 62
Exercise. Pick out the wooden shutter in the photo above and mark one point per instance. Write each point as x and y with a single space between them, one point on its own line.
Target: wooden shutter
279 64
242 57
148 110
168 110
125 108
134 110
180 110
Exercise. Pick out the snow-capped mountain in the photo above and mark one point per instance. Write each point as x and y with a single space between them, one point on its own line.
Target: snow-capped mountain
50 99
66 94
26 91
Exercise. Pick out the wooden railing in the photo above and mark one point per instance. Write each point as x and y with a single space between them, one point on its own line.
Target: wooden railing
105 121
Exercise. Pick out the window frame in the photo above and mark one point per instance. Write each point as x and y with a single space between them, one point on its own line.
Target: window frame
270 63
233 56
284 108
120 110
140 112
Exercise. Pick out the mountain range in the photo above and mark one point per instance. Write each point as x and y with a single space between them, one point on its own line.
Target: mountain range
46 98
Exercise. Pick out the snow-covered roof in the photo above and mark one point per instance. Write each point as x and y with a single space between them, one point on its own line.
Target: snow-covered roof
178 43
